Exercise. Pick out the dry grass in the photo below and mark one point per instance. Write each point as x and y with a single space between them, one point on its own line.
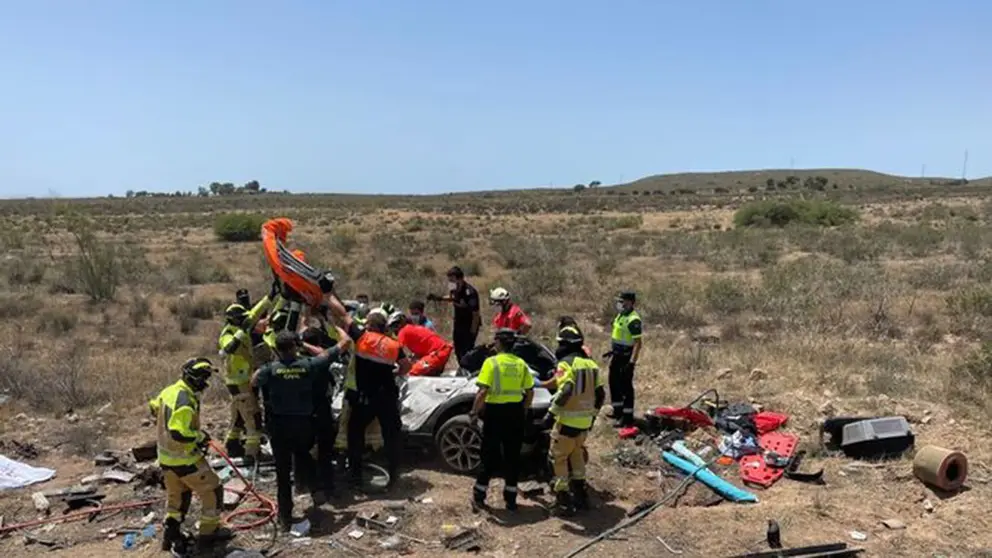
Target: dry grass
886 316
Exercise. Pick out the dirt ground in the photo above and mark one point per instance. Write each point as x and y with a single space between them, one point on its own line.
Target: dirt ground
857 496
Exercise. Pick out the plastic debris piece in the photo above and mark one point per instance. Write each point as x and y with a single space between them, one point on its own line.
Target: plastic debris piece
858 536
300 529
129 541
356 534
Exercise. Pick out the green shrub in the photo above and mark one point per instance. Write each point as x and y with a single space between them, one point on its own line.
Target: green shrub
239 227
776 213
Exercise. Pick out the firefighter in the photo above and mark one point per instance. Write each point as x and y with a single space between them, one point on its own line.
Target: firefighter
506 388
508 315
243 435
624 352
580 393
182 447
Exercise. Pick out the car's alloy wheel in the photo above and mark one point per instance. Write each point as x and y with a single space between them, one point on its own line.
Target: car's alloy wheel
460 444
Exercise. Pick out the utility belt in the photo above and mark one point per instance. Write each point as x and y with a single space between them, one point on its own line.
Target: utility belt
617 350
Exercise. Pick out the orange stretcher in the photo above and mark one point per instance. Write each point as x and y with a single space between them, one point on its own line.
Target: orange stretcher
296 275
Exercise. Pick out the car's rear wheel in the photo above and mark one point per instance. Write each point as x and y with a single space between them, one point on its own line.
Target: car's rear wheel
460 444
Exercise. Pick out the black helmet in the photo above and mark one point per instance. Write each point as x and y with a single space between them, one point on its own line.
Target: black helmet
627 295
243 298
505 336
236 314
569 335
197 372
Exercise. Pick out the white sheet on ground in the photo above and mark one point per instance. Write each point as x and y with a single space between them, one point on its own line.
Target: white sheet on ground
14 474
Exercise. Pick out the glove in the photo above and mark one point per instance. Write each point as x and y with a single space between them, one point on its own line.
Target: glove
548 422
275 289
203 444
326 282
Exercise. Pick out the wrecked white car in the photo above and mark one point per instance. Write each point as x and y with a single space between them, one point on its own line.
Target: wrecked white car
434 410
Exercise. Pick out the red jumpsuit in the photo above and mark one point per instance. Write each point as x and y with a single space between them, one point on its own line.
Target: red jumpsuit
430 349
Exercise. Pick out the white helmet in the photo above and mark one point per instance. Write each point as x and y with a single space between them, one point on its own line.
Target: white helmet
499 294
395 318
379 311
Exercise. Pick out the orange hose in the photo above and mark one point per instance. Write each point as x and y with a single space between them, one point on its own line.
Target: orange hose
267 509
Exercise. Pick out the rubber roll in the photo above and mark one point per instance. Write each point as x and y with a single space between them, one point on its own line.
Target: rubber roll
943 468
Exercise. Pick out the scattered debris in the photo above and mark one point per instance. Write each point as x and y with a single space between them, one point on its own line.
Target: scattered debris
723 373
668 548
300 529
876 438
833 550
393 542
467 540
145 452
117 475
635 457
773 534
858 536
894 524
106 459
40 502
233 492
942 468
90 479
14 474
427 501
928 506
356 534
31 538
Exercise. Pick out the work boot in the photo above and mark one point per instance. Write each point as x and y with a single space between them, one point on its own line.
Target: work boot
579 494
234 448
172 534
510 498
222 534
478 499
563 504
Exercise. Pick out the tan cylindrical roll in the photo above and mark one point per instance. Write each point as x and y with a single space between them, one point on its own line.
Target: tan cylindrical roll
943 468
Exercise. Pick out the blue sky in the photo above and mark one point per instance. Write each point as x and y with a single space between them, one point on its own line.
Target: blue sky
102 96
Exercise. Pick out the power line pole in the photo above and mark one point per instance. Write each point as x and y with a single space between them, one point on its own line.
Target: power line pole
964 167
923 171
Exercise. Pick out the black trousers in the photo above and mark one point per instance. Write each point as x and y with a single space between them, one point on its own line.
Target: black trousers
622 386
325 432
384 406
463 339
502 437
292 440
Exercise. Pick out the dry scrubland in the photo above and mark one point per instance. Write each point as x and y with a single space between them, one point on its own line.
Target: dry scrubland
101 301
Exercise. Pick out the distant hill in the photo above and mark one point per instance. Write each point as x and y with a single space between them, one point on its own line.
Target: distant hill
862 180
